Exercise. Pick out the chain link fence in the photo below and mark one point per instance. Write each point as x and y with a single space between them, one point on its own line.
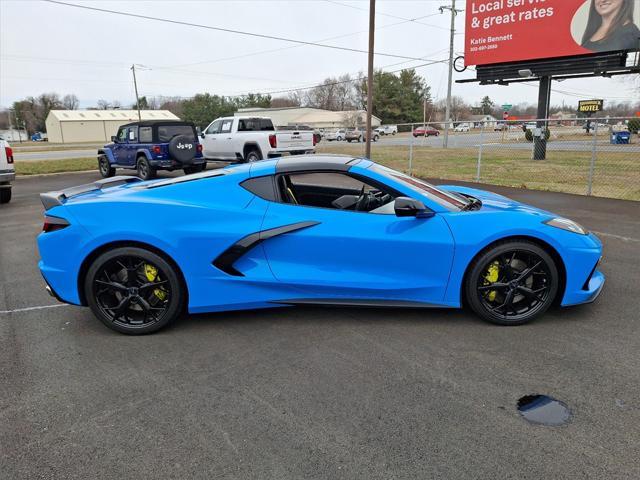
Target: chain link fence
597 156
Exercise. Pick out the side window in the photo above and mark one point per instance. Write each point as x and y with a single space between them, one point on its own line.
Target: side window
132 136
122 135
214 127
226 126
146 135
335 190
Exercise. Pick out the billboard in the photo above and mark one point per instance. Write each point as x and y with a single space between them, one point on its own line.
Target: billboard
499 31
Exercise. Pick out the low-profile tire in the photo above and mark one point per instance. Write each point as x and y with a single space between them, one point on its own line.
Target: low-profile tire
105 168
145 170
252 155
133 290
5 195
511 283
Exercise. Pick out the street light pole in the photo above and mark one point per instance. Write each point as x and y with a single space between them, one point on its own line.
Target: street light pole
372 26
451 39
135 86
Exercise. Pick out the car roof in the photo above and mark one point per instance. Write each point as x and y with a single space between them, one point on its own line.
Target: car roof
300 163
150 123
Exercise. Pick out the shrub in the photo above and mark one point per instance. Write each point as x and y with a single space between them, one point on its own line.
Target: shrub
634 125
529 135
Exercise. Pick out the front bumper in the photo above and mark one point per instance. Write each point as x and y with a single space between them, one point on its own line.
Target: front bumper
591 290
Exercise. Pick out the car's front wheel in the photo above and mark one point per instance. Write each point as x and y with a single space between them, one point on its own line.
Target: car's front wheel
512 283
106 170
134 291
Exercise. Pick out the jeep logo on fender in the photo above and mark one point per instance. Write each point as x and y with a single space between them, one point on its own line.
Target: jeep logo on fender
184 146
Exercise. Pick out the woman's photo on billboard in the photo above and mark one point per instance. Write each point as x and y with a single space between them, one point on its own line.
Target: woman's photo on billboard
611 26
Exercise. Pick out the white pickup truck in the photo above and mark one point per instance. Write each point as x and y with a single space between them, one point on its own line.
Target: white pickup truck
387 129
7 171
247 139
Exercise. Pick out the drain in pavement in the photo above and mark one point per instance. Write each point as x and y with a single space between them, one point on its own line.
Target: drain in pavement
544 410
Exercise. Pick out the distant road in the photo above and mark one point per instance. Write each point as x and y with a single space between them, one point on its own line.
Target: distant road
54 155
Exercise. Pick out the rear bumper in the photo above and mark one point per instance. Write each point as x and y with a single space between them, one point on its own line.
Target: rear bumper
7 176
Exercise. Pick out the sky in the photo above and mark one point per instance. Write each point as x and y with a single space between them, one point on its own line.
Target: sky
47 47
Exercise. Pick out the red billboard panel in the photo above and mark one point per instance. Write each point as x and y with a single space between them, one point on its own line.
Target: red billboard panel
499 31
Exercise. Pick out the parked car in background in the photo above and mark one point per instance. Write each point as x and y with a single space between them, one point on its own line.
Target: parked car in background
359 135
39 137
7 171
153 145
499 127
426 132
335 135
387 129
463 127
248 139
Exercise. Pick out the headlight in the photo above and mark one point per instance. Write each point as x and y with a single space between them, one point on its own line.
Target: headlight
566 224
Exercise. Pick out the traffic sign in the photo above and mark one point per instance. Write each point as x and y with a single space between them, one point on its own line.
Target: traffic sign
506 107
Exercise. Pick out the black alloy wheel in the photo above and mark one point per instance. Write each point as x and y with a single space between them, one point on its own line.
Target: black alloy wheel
145 171
512 283
106 170
133 291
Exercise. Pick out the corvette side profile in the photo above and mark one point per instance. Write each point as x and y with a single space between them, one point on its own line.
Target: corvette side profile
307 230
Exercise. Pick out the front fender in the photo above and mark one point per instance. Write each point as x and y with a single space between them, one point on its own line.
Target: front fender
474 232
108 153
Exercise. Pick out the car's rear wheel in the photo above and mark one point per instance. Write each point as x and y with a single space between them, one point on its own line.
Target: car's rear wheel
106 170
134 291
252 156
512 283
145 170
5 194
195 169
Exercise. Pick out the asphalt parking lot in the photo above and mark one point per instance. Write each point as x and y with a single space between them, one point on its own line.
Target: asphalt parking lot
314 392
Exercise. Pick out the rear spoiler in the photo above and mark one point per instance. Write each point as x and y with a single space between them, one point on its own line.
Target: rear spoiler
53 199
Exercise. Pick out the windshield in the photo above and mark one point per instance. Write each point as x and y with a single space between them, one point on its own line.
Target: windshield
441 197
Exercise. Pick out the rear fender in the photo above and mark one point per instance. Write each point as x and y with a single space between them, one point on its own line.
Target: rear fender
251 146
144 151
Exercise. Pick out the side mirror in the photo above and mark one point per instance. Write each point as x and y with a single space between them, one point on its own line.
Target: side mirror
410 207
201 134
114 139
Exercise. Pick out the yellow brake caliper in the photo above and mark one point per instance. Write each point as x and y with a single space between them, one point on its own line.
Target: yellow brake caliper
152 273
492 276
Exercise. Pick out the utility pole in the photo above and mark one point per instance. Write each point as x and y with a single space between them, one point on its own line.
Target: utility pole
447 114
372 27
135 86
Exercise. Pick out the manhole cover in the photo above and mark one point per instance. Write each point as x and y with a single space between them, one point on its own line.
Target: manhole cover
544 410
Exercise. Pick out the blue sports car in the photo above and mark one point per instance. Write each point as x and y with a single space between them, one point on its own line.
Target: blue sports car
307 230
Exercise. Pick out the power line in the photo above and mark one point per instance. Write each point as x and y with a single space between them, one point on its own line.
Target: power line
390 15
227 30
251 54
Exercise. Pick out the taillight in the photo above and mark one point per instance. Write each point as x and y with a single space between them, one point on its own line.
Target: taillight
315 139
51 224
273 141
199 148
9 153
157 149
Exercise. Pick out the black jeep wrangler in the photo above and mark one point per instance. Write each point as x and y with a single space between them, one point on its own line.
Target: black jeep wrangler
153 145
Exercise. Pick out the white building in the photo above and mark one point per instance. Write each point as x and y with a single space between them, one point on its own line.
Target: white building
14 135
68 126
313 117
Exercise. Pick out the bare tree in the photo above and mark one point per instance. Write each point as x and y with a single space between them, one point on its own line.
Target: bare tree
70 102
103 105
283 102
352 119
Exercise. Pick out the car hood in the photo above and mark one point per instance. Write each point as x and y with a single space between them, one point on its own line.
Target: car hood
495 202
